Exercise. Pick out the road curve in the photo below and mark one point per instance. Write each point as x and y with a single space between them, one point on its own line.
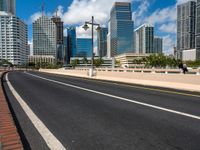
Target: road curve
89 115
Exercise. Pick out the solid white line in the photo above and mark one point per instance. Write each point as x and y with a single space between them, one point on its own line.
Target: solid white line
52 142
121 98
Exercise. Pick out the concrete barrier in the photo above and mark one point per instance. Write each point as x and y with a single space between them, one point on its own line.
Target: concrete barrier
189 82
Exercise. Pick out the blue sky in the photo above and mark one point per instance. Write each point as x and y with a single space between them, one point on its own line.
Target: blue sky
160 13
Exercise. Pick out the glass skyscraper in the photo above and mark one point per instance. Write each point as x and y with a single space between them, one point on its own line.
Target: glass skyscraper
198 29
102 42
121 28
44 37
8 6
158 45
71 42
186 23
84 47
144 39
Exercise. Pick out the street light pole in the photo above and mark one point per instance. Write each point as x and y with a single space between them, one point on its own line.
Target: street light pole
92 60
98 29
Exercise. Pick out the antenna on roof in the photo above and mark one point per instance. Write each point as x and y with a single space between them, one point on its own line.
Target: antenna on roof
56 12
43 8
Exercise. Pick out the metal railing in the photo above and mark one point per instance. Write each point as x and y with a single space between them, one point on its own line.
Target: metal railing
153 70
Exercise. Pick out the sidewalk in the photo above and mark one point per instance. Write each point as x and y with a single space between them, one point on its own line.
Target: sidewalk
9 137
174 81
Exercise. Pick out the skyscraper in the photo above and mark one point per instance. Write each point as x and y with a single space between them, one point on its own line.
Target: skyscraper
121 28
102 42
8 6
13 35
186 22
144 39
158 45
84 47
59 37
71 42
109 41
198 30
44 37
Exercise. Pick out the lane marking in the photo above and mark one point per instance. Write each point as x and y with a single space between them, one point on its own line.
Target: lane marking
135 86
52 142
120 98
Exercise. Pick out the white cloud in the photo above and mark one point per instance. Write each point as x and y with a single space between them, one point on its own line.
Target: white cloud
34 17
168 44
37 15
82 10
139 14
162 16
168 27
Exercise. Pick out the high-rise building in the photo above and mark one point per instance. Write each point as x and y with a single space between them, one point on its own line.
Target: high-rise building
109 41
198 30
13 40
158 45
44 37
102 42
84 47
59 37
186 22
121 28
8 6
144 39
66 53
71 42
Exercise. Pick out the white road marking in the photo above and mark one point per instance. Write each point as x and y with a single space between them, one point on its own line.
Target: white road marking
52 142
121 98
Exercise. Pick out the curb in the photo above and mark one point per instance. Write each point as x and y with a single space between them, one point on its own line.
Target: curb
9 136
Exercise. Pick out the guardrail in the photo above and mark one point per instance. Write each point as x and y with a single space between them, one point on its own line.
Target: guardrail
153 70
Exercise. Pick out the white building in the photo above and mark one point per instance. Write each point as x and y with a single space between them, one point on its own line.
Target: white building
189 55
41 59
144 39
13 39
44 37
127 59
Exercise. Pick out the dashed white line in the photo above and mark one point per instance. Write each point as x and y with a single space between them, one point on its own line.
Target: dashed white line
121 98
52 142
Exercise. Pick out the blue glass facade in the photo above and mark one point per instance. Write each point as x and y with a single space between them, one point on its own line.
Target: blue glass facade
84 47
102 42
121 29
71 42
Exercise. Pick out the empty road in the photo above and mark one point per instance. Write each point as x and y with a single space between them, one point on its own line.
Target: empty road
60 112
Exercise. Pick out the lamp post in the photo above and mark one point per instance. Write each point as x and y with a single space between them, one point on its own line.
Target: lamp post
86 27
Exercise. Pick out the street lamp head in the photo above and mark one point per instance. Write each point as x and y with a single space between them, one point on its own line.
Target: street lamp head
85 27
98 29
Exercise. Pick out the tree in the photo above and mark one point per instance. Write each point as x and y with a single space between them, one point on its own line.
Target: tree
98 62
74 63
5 62
85 60
161 61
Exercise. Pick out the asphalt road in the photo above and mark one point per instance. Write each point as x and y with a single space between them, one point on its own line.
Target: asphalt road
99 119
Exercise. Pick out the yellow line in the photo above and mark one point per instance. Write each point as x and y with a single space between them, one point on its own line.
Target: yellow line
138 87
146 88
